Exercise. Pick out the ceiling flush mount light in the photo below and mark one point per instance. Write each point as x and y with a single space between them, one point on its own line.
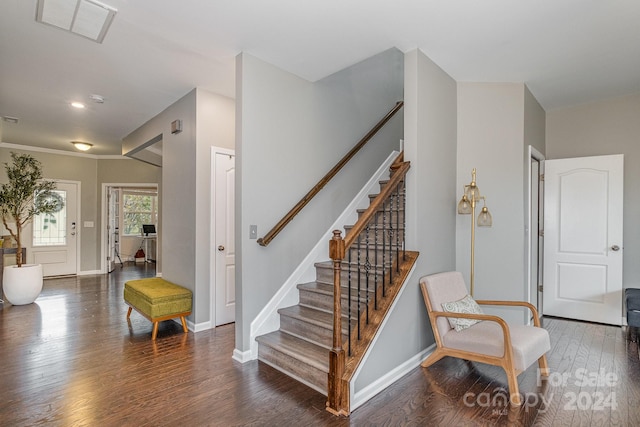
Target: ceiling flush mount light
98 99
82 146
87 18
78 105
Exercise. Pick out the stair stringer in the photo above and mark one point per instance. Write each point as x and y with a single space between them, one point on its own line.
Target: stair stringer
268 320
358 398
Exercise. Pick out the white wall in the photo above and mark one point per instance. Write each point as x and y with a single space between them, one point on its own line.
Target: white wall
610 126
290 133
430 146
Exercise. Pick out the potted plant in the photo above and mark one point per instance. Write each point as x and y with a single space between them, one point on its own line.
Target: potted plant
24 196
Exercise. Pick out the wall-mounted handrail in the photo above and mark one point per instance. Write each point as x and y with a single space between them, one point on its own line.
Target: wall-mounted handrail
264 241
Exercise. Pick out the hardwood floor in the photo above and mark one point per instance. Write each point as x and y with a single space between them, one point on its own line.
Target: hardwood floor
71 359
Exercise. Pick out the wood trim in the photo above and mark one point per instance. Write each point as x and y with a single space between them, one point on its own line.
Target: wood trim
359 226
156 320
264 241
341 370
534 311
369 331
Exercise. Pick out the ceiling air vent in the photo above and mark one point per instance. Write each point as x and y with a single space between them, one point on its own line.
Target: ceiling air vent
87 18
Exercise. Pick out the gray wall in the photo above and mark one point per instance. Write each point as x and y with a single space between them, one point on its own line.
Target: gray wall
91 172
290 132
496 122
430 146
609 126
534 124
186 191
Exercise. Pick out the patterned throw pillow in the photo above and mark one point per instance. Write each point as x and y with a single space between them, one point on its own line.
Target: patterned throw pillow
464 305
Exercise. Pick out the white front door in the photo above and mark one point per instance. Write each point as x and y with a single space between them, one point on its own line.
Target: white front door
224 241
55 236
583 238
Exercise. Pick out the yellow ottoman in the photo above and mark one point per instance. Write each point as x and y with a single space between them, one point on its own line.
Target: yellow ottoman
157 300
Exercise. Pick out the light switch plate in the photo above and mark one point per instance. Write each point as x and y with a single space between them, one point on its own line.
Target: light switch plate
253 231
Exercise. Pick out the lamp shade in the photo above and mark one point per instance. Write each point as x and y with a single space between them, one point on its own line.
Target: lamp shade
472 192
484 219
464 206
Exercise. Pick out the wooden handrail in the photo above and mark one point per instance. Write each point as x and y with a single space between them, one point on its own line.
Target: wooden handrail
264 241
364 219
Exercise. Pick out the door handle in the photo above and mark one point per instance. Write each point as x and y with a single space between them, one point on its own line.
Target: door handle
221 248
615 248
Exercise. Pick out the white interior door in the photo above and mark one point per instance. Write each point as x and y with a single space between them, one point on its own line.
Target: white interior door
583 238
224 240
534 261
113 228
55 237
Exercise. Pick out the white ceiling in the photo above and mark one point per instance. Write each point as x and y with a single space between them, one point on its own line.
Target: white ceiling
566 51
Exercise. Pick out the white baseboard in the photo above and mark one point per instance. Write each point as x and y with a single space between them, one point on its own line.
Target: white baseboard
89 272
241 356
392 376
197 327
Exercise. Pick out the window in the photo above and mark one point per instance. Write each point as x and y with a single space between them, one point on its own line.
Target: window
138 207
51 229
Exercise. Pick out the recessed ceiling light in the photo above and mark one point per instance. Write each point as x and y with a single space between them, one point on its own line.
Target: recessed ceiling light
78 105
82 146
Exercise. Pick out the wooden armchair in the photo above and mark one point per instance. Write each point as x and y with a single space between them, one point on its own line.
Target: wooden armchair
492 340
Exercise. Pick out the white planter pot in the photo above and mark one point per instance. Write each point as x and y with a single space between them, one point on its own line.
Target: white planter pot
22 285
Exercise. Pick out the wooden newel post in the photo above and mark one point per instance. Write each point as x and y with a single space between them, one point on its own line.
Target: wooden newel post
337 400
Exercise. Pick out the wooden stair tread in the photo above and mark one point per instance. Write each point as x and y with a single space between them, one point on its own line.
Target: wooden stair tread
305 351
328 265
327 289
311 315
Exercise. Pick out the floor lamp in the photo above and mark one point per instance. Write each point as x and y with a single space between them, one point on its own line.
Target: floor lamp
466 206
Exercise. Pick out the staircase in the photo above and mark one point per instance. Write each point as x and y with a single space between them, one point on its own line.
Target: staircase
369 281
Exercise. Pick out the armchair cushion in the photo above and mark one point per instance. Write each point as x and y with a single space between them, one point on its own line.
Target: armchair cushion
527 342
444 287
464 305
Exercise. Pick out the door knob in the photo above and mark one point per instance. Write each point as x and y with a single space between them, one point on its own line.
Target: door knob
615 248
221 248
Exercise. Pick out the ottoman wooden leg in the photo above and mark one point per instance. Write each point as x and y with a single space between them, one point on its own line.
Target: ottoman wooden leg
129 313
155 330
184 324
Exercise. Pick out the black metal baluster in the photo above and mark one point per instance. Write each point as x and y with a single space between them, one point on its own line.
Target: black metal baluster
359 282
376 265
367 270
397 196
404 219
348 302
